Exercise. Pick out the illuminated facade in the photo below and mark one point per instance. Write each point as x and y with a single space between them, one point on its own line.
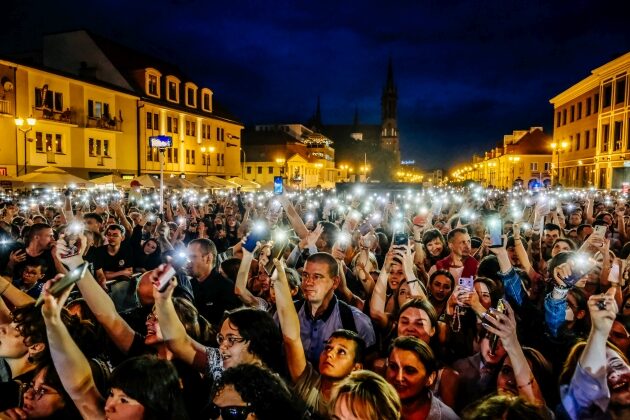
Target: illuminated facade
82 127
591 128
98 102
523 159
304 158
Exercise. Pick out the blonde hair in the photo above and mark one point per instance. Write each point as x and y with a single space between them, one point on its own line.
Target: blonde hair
368 396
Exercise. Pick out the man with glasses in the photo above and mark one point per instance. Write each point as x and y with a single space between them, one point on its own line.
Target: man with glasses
322 313
115 259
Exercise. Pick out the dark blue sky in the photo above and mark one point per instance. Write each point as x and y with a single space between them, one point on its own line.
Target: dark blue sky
467 72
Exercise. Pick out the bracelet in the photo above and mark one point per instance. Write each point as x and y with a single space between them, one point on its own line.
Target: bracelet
531 381
418 242
5 287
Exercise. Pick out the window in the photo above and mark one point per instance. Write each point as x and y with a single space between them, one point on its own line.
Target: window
587 139
220 134
206 102
579 110
249 169
58 144
191 97
607 95
596 104
149 121
605 137
547 166
105 147
39 144
169 155
48 99
156 121
270 170
152 85
533 166
172 91
260 170
175 125
617 134
620 90
589 104
175 154
206 130
187 156
91 150
577 141
564 116
193 128
187 128
97 109
572 114
558 118
192 157
169 124
222 159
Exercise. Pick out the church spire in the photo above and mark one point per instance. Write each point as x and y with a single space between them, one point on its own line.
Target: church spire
389 98
315 122
389 86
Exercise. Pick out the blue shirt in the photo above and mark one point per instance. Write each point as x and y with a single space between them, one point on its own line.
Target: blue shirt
314 332
587 396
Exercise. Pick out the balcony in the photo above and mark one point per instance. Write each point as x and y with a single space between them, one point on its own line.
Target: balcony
47 114
5 107
104 123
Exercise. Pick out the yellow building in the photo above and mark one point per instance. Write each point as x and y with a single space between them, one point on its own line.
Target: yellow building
523 158
305 159
79 125
98 102
591 122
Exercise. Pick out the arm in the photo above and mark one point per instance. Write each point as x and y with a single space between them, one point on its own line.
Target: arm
70 363
117 207
377 302
240 286
294 217
504 326
13 294
290 324
173 331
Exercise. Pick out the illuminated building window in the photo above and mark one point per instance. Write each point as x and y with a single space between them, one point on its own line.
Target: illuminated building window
620 90
607 99
589 104
172 89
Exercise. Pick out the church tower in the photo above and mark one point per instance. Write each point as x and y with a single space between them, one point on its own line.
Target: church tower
389 125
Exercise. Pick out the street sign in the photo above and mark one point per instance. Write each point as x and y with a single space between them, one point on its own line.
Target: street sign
161 141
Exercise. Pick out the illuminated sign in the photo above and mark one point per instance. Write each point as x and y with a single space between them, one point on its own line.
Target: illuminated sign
407 162
161 141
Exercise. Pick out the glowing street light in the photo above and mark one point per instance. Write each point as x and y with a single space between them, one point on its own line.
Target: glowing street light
19 123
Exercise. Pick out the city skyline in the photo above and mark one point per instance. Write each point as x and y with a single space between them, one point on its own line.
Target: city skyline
466 73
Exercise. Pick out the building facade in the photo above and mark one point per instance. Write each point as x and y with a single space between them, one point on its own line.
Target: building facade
591 128
98 102
79 125
304 158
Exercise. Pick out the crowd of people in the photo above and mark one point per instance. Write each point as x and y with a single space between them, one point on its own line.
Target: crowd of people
440 303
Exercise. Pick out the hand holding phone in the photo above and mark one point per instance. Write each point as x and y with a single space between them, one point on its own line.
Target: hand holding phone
58 287
165 276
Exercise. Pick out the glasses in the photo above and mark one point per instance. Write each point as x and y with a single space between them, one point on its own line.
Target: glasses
233 412
231 340
38 393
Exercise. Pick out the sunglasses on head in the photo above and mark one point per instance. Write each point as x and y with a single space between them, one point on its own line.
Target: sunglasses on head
233 412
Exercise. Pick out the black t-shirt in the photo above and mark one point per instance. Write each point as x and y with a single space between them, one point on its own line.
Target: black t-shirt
214 296
124 258
45 257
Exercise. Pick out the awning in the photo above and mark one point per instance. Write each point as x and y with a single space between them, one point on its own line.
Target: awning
53 177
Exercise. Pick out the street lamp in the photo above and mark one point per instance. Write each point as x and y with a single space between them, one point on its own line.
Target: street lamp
557 148
513 160
19 123
206 154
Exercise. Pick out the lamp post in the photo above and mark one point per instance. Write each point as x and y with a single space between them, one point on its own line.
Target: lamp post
557 148
19 123
513 160
206 153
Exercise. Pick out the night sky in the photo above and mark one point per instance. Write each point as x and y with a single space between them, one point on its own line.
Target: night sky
467 72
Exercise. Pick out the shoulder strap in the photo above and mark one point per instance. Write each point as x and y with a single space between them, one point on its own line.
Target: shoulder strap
347 318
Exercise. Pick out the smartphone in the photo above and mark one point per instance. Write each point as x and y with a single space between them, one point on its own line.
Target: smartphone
467 283
258 233
495 230
66 281
276 252
165 277
278 186
401 239
580 266
494 339
600 230
343 240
